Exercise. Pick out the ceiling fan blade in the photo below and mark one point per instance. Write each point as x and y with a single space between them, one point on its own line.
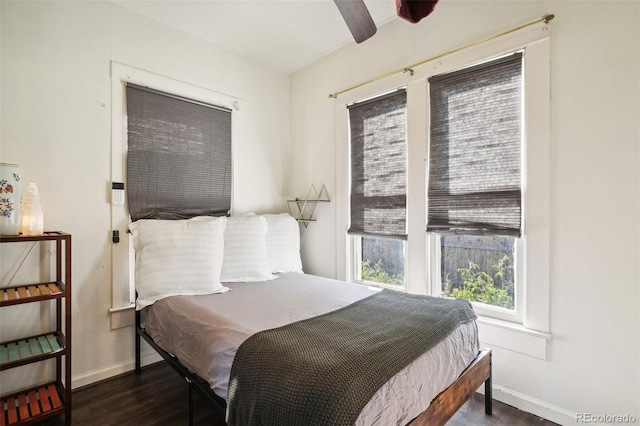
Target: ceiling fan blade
358 18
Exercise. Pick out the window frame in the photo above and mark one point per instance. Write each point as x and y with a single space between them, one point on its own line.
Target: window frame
122 254
530 336
354 270
434 260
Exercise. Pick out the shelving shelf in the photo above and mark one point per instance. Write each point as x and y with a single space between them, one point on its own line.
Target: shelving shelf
33 405
31 293
53 398
31 349
304 208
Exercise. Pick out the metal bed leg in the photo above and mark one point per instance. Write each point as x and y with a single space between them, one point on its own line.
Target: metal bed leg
488 397
137 343
191 408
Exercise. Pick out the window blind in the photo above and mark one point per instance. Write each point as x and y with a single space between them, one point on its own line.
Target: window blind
178 158
378 129
475 149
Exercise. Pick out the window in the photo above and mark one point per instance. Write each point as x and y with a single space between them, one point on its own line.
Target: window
124 78
179 156
378 195
475 182
513 245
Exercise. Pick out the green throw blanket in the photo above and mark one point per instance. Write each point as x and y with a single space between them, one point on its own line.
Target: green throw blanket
325 369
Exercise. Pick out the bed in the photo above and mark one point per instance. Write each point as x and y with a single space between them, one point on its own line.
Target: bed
200 334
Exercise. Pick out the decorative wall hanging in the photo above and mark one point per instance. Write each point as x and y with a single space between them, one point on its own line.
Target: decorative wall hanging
302 209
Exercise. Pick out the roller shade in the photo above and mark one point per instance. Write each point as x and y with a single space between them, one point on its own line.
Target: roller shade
475 149
378 201
178 158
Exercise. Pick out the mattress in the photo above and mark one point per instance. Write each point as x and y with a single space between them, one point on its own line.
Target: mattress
204 332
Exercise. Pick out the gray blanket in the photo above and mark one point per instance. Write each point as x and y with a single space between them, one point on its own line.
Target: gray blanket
324 370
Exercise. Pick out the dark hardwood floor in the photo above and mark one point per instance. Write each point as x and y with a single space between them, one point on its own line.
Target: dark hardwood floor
158 396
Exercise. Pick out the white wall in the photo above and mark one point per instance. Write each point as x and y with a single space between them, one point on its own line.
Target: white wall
592 363
55 107
56 124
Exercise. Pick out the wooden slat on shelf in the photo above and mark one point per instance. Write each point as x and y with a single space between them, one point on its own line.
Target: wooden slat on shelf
31 405
41 346
12 413
44 399
44 344
14 353
35 347
53 342
23 408
22 291
44 290
55 398
11 293
19 294
24 349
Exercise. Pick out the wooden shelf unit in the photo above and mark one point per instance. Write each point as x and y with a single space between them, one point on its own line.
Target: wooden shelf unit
51 399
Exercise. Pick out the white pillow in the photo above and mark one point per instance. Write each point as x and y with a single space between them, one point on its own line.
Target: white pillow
245 250
177 257
283 243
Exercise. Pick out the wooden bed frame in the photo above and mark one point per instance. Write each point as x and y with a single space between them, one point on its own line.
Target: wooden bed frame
441 409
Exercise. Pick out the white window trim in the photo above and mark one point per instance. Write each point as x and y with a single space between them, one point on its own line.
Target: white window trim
122 256
531 336
355 267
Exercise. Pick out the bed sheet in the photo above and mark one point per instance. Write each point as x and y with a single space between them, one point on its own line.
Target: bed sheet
204 332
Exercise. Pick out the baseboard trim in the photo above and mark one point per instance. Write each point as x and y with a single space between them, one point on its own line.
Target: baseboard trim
114 370
532 405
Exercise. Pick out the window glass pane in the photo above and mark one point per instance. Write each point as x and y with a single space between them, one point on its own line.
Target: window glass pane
479 269
382 261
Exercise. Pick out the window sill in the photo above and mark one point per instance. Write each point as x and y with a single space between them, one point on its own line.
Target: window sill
514 337
123 316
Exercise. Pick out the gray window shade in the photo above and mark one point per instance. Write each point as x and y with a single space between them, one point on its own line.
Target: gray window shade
379 166
475 149
179 156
